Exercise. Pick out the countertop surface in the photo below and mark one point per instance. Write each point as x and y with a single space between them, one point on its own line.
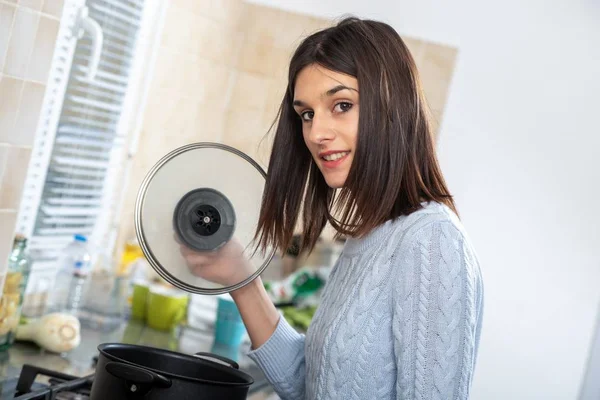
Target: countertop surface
80 361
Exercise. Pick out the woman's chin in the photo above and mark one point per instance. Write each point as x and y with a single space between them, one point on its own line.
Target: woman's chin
335 182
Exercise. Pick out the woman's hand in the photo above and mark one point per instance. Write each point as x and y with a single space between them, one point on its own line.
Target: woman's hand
226 266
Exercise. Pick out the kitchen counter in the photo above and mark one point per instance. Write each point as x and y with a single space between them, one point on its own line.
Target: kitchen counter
80 361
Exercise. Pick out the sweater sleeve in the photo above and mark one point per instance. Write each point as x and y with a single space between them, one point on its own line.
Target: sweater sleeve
434 315
281 358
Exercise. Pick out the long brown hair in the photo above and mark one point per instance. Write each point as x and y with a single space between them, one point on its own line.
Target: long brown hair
395 167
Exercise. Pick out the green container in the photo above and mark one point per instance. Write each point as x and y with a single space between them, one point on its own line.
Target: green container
139 301
166 308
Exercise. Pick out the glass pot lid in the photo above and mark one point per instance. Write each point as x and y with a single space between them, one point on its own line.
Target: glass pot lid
203 200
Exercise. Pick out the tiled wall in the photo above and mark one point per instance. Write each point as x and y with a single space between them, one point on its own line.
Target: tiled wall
222 80
435 63
28 30
220 75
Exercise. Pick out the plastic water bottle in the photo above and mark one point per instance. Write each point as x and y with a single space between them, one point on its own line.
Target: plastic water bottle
74 269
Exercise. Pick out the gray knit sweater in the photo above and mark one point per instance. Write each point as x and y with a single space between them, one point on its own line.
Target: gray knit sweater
400 318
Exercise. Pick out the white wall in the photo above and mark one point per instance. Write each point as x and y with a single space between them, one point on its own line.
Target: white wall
520 146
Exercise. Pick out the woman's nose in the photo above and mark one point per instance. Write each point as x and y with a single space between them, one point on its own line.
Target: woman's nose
321 129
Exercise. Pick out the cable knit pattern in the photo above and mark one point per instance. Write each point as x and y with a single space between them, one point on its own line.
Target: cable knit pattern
400 318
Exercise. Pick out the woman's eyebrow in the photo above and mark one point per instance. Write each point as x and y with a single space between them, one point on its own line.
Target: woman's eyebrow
338 88
330 92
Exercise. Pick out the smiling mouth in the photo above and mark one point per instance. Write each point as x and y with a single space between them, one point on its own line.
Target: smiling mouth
335 156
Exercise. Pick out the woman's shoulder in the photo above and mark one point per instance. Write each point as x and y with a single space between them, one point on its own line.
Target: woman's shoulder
404 230
433 218
430 213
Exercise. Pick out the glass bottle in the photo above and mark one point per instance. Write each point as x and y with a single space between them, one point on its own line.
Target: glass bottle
17 275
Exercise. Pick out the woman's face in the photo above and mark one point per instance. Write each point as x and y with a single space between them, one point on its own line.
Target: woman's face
327 103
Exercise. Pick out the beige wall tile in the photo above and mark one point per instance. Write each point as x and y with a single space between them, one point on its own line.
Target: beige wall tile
252 56
279 61
43 49
206 81
35 5
166 60
21 42
245 126
223 11
160 111
262 59
3 157
214 83
8 220
10 98
215 41
249 92
435 119
261 24
244 129
53 7
180 124
315 23
195 76
159 104
263 152
275 91
194 6
192 70
439 59
11 1
436 73
415 47
177 122
187 76
176 72
7 14
177 33
29 112
196 122
269 120
226 11
11 185
206 125
296 28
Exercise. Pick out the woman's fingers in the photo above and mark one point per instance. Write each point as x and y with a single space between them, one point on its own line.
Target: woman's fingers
186 251
194 258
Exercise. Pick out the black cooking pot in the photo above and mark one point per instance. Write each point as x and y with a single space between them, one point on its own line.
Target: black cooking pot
126 371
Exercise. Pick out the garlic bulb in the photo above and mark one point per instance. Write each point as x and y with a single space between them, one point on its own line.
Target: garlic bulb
55 332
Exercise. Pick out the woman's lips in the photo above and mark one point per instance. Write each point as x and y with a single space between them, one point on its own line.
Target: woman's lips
333 163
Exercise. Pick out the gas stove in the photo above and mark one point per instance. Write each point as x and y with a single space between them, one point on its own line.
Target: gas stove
59 386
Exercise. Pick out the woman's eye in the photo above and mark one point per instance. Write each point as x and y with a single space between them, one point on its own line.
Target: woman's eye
343 106
307 116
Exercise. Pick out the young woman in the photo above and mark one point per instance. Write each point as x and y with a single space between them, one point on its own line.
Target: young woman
400 316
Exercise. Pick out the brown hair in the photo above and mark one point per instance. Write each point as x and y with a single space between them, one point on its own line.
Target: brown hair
395 167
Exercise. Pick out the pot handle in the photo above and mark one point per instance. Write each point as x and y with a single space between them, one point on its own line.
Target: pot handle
137 375
226 360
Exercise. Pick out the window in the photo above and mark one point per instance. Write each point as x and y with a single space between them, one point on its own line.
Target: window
87 127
